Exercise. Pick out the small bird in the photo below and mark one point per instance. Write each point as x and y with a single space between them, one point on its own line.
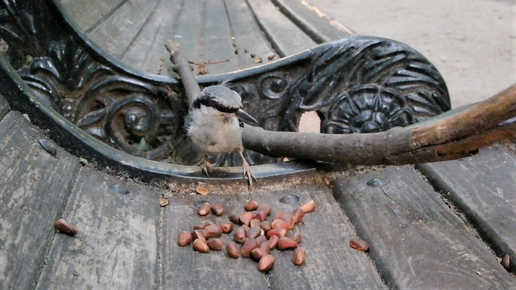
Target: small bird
214 126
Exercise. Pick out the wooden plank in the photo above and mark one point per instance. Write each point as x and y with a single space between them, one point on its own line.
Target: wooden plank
217 42
118 31
310 20
482 187
415 239
330 263
189 31
88 14
147 52
284 35
322 231
185 269
248 35
4 107
117 243
34 188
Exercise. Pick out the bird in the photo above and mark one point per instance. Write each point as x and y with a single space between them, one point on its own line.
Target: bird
214 126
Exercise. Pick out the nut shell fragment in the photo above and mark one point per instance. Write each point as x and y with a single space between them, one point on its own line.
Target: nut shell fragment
65 227
308 207
200 246
359 244
202 190
163 201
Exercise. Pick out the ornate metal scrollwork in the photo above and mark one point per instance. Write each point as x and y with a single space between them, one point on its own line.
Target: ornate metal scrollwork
356 85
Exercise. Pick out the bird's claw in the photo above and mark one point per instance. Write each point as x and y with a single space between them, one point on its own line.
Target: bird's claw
248 173
206 167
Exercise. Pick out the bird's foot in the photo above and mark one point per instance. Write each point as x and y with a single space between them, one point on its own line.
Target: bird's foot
248 173
206 166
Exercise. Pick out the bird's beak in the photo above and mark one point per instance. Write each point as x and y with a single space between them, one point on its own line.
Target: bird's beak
244 116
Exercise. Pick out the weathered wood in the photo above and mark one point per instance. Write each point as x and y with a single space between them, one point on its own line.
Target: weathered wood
185 269
330 263
217 44
117 32
305 16
34 188
4 107
416 240
146 53
189 30
284 35
117 243
88 14
248 35
438 139
483 188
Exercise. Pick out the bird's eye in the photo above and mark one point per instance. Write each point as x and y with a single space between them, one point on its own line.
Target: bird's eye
212 143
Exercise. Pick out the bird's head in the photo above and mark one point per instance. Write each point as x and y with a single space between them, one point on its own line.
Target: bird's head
224 100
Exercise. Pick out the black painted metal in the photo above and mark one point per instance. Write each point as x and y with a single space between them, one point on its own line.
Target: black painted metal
356 85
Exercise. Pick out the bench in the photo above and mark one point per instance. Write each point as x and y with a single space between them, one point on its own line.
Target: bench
440 226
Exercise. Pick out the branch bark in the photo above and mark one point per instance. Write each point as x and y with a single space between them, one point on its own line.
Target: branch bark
458 135
453 137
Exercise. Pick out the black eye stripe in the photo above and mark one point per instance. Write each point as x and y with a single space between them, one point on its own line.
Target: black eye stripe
209 102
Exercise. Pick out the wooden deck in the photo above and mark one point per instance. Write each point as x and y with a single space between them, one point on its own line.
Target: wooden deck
430 226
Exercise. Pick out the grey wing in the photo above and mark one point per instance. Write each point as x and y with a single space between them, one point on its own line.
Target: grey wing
186 126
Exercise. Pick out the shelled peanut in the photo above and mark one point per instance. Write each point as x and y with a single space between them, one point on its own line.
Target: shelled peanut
255 238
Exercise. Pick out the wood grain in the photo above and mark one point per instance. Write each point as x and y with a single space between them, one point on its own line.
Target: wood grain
4 107
185 269
34 188
189 31
117 243
117 32
88 14
305 16
248 35
330 263
285 36
483 188
147 52
415 240
217 39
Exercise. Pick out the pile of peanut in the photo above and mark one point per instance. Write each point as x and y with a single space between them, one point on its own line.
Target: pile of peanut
256 236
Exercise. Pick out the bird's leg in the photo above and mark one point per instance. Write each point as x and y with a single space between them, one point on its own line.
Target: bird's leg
245 166
205 165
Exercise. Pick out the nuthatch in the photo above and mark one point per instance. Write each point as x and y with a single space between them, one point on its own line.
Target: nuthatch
214 126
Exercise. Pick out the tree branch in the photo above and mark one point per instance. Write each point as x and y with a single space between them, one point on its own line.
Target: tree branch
457 135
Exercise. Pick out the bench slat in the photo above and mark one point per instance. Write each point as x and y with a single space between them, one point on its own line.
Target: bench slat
319 28
147 52
4 107
88 14
117 243
416 241
118 31
248 35
185 269
217 43
330 262
483 187
34 188
188 31
285 36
